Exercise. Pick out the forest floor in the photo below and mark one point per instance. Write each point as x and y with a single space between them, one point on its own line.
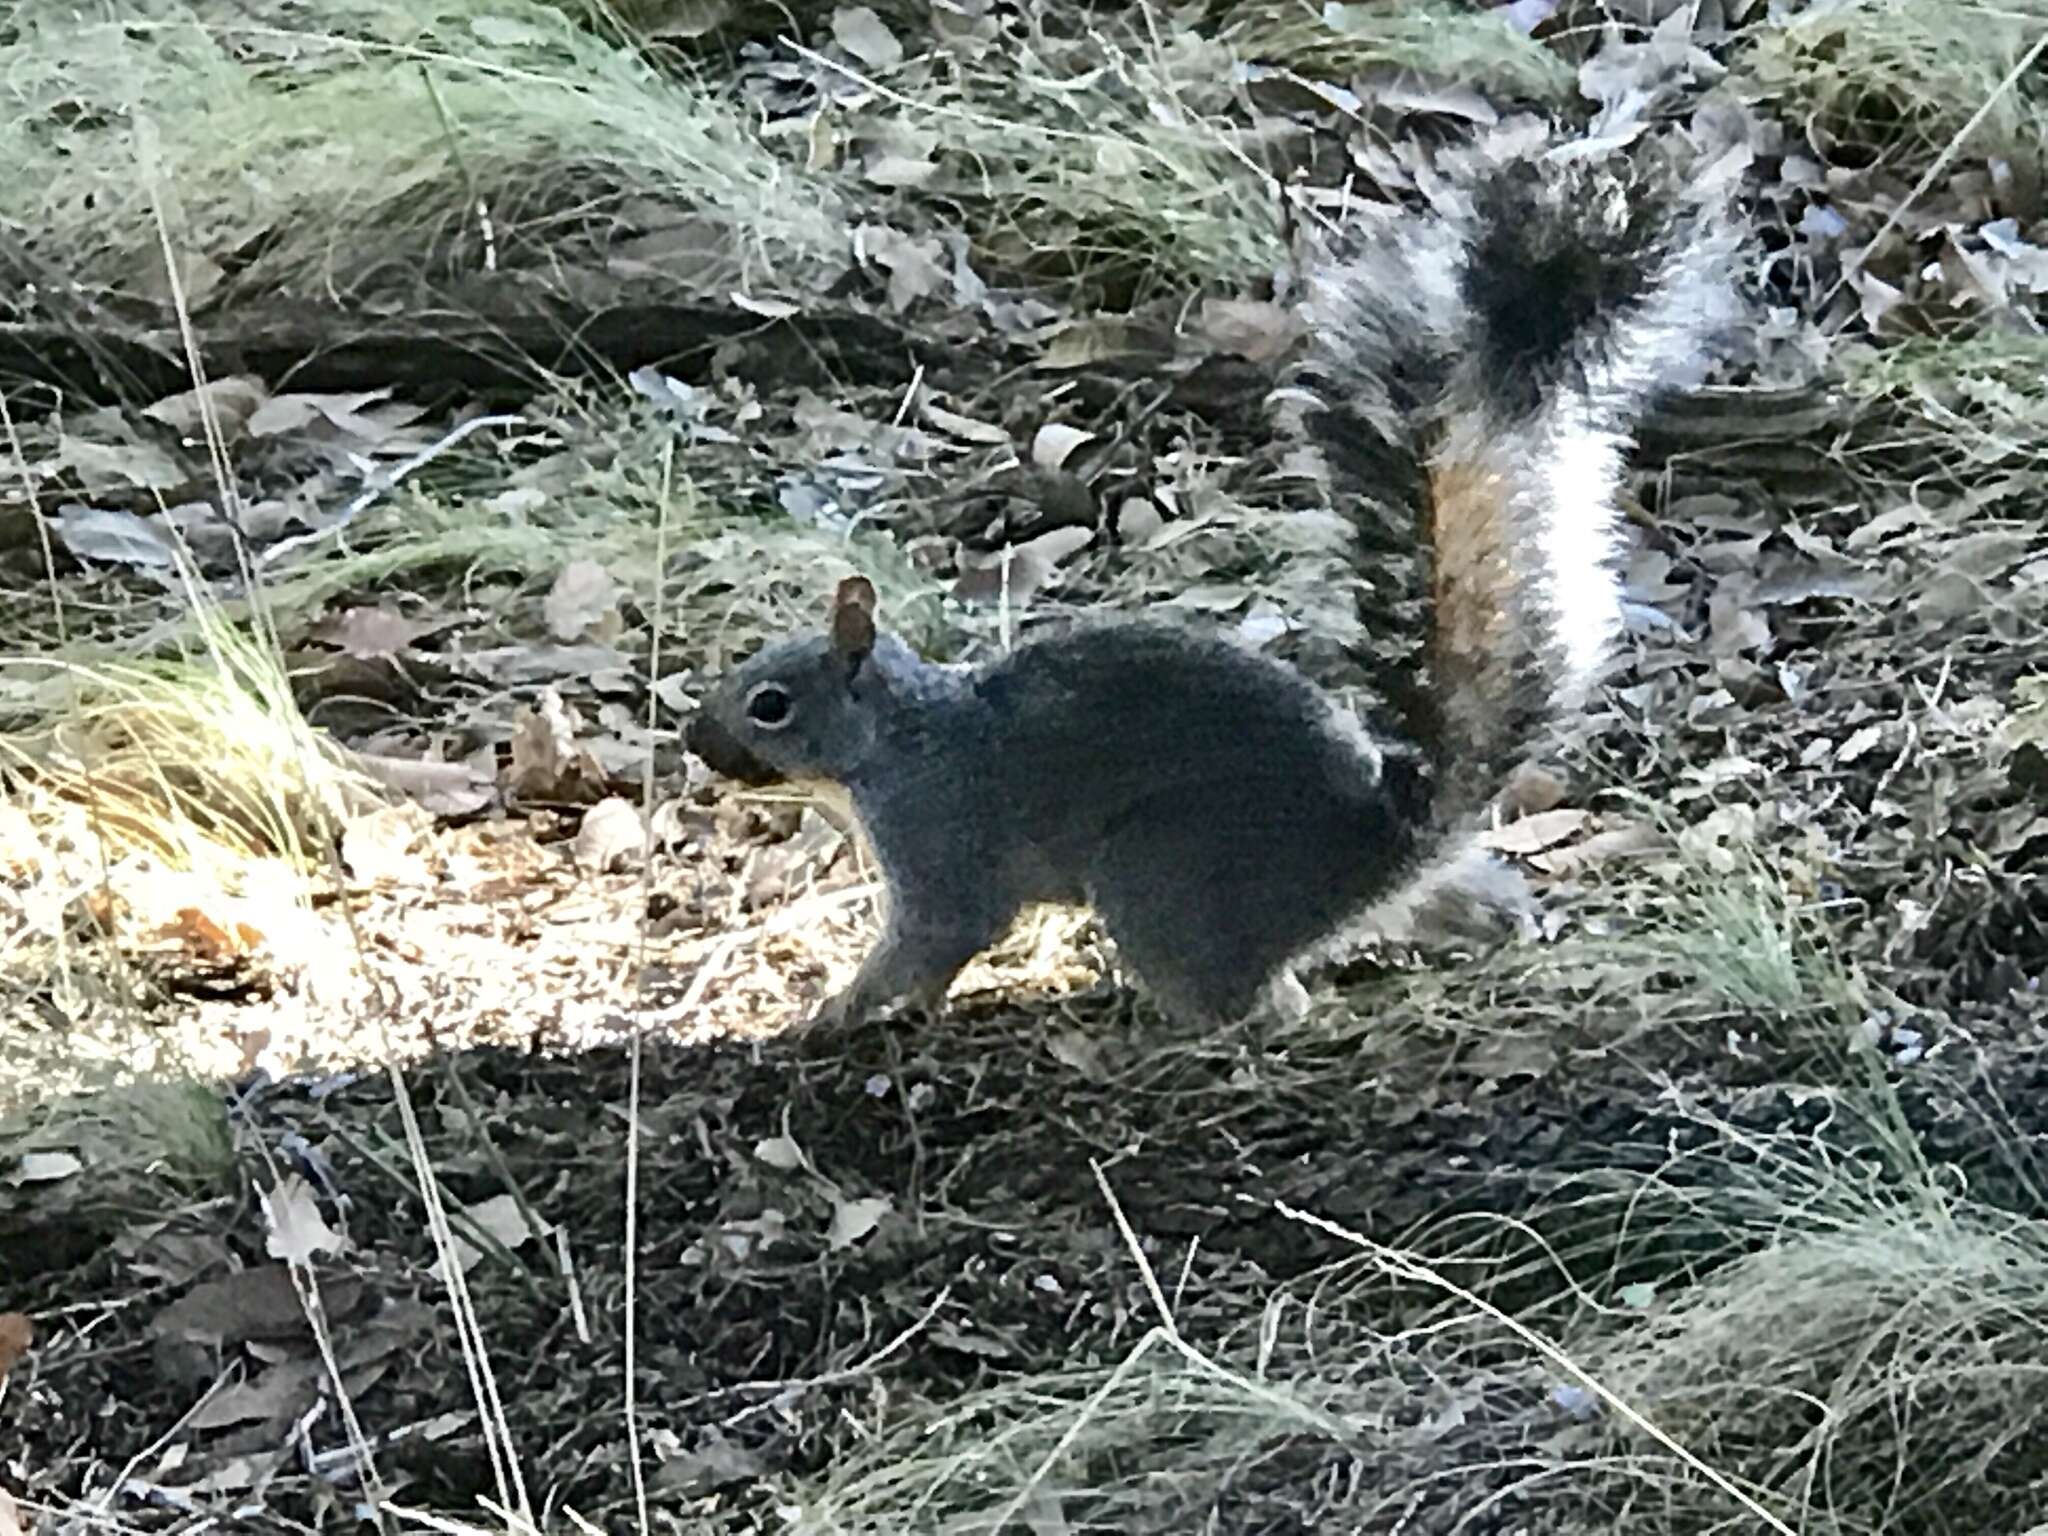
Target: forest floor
409 408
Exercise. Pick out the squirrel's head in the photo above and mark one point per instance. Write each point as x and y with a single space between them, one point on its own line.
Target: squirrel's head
801 708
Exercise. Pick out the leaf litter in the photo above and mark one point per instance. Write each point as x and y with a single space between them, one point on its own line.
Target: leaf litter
1789 957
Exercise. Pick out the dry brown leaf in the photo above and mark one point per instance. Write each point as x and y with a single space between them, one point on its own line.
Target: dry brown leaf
388 846
1625 842
373 633
1735 625
966 428
583 604
232 400
1532 834
611 833
548 763
1017 573
127 466
1516 1055
686 19
280 1394
17 1333
916 266
42 1168
853 1220
248 1304
1256 330
211 941
444 789
1055 443
1090 342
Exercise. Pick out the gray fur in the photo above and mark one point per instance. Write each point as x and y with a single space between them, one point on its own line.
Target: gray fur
1202 798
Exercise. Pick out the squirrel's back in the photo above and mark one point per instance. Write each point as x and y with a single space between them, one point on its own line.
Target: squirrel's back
1217 811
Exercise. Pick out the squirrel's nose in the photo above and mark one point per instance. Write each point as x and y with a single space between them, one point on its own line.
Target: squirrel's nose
704 736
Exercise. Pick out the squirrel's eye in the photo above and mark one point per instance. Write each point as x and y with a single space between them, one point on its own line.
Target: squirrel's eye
768 706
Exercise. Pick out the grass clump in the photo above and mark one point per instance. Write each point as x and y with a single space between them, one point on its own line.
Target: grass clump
1913 79
325 159
192 761
1120 160
1856 1325
1880 1324
142 1143
1456 43
1975 403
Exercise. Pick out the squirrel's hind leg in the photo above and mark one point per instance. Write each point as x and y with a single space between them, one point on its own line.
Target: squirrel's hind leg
1203 955
1210 892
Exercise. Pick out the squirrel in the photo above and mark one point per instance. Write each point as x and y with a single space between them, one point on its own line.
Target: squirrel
1479 375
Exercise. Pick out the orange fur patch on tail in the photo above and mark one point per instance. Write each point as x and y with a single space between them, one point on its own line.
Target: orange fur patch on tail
1472 587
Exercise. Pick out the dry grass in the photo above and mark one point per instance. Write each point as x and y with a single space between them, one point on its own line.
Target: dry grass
1445 43
1865 1324
1814 1327
1975 403
313 155
1909 80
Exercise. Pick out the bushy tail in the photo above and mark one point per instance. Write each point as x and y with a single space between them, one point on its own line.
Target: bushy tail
1486 367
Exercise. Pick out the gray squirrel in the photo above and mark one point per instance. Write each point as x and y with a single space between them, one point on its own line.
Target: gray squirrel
1478 373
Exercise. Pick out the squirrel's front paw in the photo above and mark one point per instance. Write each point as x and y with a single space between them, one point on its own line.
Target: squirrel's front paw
858 1003
838 1010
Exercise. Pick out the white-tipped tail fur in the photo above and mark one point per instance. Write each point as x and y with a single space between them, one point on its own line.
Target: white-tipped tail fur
1487 366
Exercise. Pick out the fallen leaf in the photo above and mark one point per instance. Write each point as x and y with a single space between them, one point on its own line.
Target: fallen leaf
278 1395
1532 834
713 1463
916 266
1256 330
444 789
113 537
1017 572
686 19
373 633
1734 625
779 1152
965 428
43 1168
866 36
213 942
297 1229
1625 842
259 1303
137 466
1090 342
17 1333
853 1220
385 847
1513 1055
501 1218
348 414
232 401
1055 443
548 763
583 604
611 833
156 1252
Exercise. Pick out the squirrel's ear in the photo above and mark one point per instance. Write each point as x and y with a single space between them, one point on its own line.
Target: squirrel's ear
853 620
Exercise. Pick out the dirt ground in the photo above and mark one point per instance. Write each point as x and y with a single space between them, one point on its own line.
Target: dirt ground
420 1144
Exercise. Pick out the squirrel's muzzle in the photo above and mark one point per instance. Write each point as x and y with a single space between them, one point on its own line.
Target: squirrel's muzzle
724 753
